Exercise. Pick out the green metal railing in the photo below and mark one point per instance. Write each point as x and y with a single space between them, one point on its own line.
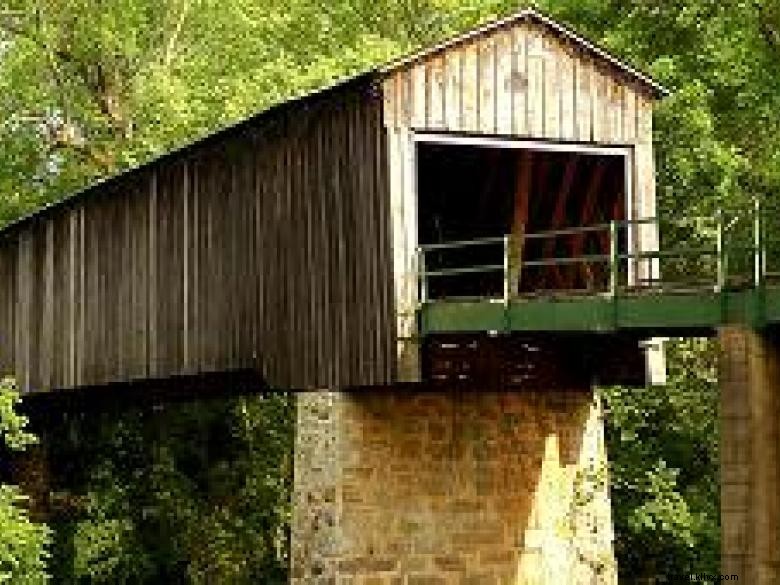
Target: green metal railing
713 254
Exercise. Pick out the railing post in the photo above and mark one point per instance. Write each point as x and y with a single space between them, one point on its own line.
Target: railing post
614 259
758 245
507 268
422 277
720 282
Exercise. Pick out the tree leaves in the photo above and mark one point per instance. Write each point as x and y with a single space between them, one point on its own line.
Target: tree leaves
23 544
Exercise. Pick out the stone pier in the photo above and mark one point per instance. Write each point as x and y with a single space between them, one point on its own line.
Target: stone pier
750 454
449 487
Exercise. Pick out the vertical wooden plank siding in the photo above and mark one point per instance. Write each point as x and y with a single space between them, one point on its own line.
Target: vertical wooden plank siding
486 104
469 89
520 80
519 86
452 96
265 248
584 98
436 93
503 91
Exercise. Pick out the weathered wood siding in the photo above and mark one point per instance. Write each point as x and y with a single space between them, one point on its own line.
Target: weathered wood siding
265 247
520 80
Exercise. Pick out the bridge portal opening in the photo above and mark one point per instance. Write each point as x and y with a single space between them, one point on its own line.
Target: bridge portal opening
478 193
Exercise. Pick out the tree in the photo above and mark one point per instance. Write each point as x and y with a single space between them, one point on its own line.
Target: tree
88 88
663 450
172 492
23 543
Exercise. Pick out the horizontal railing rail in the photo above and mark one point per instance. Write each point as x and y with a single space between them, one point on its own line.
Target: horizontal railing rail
631 254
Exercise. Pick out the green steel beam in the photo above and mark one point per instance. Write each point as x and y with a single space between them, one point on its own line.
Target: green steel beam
657 312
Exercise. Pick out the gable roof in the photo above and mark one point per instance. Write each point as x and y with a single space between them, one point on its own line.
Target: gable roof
531 15
370 75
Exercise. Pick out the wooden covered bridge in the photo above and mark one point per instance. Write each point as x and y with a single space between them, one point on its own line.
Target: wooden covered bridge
476 221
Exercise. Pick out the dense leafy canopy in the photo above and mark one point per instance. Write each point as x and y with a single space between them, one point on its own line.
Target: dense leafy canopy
193 491
23 543
89 87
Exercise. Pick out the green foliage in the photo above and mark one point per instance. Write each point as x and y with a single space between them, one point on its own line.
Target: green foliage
23 543
662 443
194 492
88 88
12 423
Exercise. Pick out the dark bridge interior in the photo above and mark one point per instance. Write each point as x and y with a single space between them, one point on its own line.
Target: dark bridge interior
473 192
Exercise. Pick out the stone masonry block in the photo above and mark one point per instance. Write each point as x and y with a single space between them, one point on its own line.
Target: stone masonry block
447 488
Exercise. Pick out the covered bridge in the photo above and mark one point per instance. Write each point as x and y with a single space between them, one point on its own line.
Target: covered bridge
288 243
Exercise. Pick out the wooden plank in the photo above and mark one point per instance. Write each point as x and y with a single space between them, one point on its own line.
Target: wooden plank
583 71
47 354
266 157
251 322
372 249
82 298
126 276
536 85
469 94
605 117
223 257
487 85
232 228
276 273
69 306
94 340
358 339
568 93
452 98
389 107
615 110
288 267
386 276
406 96
629 115
503 90
333 316
552 89
152 298
410 294
179 319
344 346
112 290
298 246
436 93
164 261
419 96
352 240
105 313
24 311
317 244
186 260
520 80
143 228
647 237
